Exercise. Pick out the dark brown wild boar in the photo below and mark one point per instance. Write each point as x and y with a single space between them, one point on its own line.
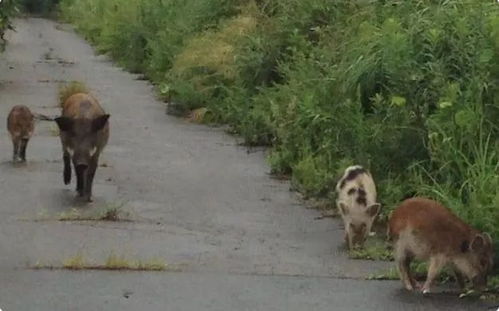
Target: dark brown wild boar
84 132
424 229
21 124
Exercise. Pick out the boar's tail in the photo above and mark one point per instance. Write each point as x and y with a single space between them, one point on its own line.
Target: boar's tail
66 91
39 116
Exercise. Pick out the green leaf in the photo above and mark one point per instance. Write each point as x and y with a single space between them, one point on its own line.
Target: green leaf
444 104
486 55
464 118
164 89
398 101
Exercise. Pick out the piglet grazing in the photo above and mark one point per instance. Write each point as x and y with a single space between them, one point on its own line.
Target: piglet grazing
20 124
425 230
356 202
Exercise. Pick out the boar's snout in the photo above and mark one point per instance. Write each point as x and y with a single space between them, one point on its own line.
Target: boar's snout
81 167
357 233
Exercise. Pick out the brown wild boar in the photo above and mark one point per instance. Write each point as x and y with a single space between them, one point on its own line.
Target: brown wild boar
426 230
21 124
84 132
356 202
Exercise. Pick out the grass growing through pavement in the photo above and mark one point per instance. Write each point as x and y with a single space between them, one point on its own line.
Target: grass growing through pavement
113 212
110 212
112 262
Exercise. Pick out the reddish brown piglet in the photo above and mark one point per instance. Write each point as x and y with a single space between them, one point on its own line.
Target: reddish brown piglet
426 230
20 124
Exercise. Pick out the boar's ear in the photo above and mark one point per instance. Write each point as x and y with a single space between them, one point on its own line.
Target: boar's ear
487 237
478 242
373 209
99 122
65 124
342 208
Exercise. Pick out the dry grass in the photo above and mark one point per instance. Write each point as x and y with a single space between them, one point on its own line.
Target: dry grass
215 50
113 262
74 87
110 212
197 115
74 263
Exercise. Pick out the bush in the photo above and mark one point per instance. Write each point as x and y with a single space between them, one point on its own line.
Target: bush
406 88
8 9
39 6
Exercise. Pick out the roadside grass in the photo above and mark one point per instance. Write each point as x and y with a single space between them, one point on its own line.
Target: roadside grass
375 249
112 262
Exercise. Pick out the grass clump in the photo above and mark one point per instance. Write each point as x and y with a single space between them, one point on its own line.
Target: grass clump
373 251
109 212
76 262
112 262
8 10
406 88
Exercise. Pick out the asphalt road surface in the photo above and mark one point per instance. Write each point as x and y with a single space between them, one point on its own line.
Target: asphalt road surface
190 194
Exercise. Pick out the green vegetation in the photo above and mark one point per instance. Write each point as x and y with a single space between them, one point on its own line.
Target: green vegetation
8 9
406 88
39 6
374 249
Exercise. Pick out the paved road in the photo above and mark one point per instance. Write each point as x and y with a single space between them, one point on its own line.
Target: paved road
195 198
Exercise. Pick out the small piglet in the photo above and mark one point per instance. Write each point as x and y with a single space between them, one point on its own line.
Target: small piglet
356 202
425 230
21 124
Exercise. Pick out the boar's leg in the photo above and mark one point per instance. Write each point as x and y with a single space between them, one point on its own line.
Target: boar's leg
347 241
15 142
404 266
90 177
80 180
436 263
22 152
460 278
67 168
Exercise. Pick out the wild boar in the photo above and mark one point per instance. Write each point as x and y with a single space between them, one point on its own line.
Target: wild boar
424 229
20 124
84 132
356 202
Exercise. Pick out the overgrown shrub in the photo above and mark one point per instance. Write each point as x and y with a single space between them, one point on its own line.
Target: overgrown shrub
39 6
406 88
8 9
